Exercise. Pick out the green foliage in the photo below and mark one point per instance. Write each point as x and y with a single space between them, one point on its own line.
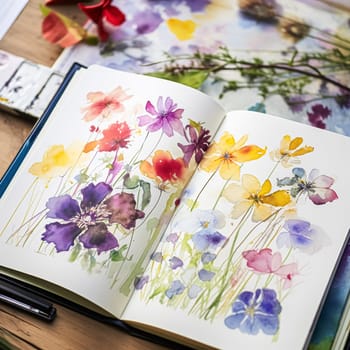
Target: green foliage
193 78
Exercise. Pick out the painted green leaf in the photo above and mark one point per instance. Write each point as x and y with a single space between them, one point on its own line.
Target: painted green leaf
131 182
146 193
117 255
75 252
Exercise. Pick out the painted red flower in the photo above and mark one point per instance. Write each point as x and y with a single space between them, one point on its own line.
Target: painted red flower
164 168
114 137
103 12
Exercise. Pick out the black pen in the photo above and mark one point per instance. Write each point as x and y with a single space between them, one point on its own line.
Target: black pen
12 294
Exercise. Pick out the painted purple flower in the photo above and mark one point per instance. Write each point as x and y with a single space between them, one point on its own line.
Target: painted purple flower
147 21
300 234
157 257
140 282
198 139
207 257
205 275
89 220
172 238
176 288
175 263
317 187
204 240
254 312
166 117
318 114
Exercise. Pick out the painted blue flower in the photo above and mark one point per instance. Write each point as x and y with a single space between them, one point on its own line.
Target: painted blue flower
175 263
201 220
204 240
176 288
207 257
254 312
300 234
205 275
204 225
140 282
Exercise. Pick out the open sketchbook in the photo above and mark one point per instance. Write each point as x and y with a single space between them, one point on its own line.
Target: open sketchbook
141 199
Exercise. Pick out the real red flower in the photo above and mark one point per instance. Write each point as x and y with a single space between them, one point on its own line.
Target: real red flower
103 11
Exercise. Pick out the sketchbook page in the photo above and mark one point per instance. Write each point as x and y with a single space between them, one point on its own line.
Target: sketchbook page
101 181
247 257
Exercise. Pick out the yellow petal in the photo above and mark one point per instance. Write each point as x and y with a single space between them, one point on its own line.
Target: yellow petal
295 143
183 30
240 208
241 141
284 145
210 164
229 170
266 188
250 152
302 151
227 141
234 193
261 212
250 183
277 199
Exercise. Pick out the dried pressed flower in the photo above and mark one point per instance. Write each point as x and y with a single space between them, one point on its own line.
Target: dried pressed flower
262 10
293 29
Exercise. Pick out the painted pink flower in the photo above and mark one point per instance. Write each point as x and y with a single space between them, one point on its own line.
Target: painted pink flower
103 105
263 261
287 273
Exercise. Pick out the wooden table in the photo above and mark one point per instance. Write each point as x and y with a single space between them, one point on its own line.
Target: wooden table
70 330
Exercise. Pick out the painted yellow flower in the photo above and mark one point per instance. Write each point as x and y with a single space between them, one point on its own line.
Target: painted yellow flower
251 194
227 156
56 160
183 30
290 150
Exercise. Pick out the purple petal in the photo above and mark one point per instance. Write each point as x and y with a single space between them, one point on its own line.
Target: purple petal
98 236
94 194
205 275
61 235
156 125
175 263
122 207
62 207
150 108
167 127
160 105
145 120
140 282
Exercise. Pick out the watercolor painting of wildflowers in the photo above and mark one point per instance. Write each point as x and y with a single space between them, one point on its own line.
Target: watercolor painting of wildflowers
143 197
101 195
247 239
